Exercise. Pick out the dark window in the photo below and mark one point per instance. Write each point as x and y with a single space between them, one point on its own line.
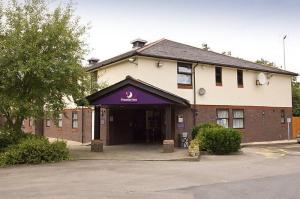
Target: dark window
222 117
184 74
240 78
218 76
74 120
282 116
238 119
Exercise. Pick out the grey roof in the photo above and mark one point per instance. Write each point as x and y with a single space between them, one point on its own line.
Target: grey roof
167 49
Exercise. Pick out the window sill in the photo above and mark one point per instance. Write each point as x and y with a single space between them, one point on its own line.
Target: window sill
184 86
240 86
219 84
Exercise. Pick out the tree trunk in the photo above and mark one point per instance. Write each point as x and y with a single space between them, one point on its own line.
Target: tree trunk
14 124
18 125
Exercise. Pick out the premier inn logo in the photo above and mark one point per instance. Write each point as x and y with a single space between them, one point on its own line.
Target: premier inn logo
128 97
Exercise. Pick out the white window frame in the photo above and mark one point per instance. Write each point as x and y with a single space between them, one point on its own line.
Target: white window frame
30 122
48 122
60 120
220 120
234 118
187 71
74 120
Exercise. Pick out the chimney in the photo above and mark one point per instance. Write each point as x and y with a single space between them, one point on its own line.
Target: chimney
138 43
93 60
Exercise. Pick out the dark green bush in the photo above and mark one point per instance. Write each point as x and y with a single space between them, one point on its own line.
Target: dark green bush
34 150
219 140
8 137
198 128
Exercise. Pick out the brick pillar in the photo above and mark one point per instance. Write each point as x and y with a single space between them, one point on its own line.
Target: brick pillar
168 122
168 143
97 123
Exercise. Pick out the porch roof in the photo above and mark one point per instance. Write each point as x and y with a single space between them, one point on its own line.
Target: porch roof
133 91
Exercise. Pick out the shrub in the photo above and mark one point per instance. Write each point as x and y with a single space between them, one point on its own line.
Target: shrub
34 150
219 140
8 137
194 148
198 128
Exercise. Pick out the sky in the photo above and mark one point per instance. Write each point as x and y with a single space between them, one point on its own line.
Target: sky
250 29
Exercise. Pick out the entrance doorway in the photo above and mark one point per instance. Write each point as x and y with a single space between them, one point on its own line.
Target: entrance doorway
136 125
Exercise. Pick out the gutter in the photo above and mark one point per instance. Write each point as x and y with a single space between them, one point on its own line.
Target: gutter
218 64
194 94
92 68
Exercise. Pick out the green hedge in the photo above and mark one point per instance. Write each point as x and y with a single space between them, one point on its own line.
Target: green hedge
217 139
8 137
34 150
198 128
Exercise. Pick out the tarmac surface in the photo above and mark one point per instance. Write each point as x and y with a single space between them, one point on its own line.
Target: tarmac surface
256 172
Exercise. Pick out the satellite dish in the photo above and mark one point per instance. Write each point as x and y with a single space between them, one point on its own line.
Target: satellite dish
202 91
262 79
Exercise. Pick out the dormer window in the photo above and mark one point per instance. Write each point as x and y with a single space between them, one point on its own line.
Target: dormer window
184 75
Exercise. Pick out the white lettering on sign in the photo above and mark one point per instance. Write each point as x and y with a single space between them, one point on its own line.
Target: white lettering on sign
128 100
129 97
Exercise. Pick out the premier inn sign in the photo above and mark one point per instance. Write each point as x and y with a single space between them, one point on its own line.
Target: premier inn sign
130 95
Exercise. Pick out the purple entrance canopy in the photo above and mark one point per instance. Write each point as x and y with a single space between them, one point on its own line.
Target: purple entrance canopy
133 91
130 95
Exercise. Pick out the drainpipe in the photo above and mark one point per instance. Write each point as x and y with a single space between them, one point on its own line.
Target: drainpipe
82 124
194 95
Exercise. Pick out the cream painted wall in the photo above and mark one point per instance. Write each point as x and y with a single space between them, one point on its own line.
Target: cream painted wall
276 94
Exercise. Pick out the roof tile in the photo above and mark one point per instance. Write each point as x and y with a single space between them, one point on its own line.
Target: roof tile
177 51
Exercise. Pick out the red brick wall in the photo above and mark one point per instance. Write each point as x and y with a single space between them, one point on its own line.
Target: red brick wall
261 123
187 124
67 132
258 126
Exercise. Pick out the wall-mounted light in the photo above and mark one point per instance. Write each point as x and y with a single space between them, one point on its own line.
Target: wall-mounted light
159 64
132 59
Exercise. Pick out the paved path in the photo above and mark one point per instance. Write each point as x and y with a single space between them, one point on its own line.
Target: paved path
129 152
255 174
